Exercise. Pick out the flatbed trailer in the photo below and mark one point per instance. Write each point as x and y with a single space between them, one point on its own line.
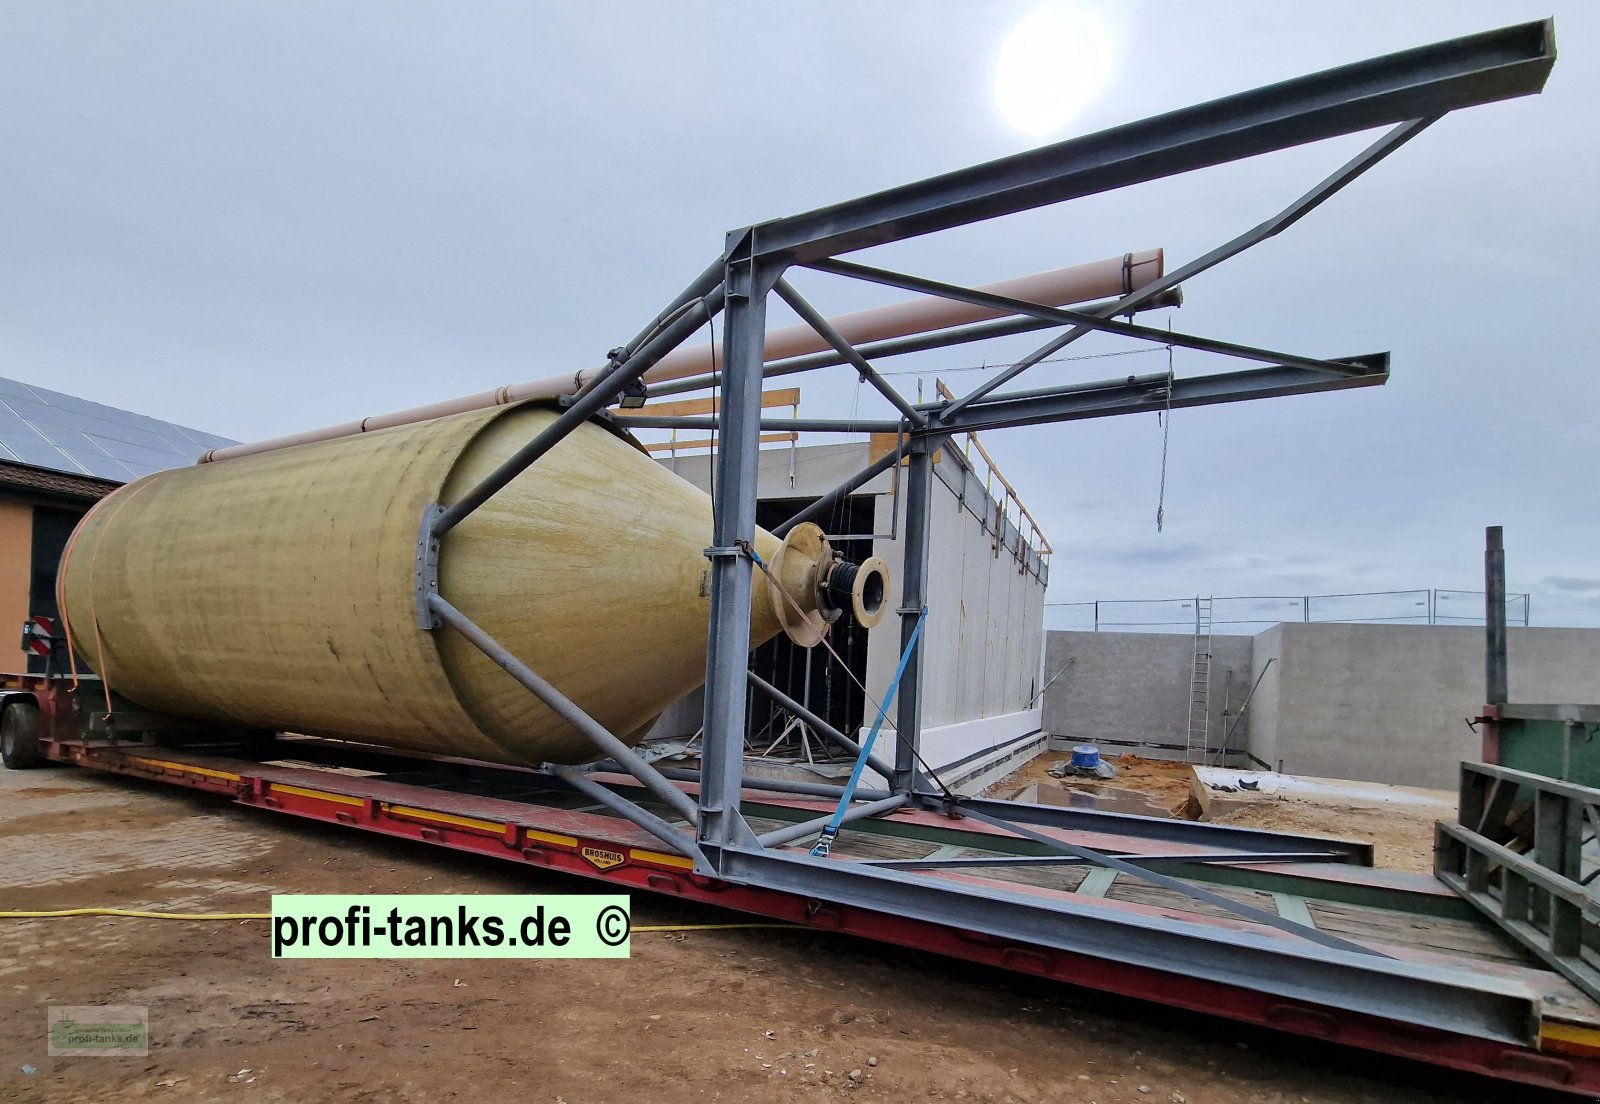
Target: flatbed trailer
1450 988
1492 970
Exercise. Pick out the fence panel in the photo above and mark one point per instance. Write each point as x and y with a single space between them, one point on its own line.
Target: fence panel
1466 607
1069 616
1250 614
1392 607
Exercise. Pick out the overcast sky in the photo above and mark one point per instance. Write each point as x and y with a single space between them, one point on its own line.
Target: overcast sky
258 218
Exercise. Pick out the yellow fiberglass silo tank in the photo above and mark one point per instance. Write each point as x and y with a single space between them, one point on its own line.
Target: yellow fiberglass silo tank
278 591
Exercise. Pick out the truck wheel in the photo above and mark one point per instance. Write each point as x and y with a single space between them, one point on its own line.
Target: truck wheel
19 735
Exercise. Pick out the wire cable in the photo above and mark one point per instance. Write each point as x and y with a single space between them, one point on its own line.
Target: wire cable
760 563
1166 432
141 914
1051 360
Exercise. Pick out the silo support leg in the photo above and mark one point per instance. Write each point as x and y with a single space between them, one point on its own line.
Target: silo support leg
746 285
565 708
676 840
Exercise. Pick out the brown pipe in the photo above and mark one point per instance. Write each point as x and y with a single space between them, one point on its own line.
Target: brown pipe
1113 277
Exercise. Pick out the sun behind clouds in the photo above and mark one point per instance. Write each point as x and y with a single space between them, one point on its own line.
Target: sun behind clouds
1052 65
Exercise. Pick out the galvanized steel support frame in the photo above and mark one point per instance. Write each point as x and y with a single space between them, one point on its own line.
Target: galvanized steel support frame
913 605
918 343
1285 218
746 284
1409 91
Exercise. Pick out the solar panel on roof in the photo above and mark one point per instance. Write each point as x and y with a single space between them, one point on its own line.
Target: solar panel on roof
46 429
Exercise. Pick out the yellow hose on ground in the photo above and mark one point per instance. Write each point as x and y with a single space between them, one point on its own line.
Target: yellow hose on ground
140 915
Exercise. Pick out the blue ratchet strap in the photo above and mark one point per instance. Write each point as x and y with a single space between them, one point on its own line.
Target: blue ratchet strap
825 844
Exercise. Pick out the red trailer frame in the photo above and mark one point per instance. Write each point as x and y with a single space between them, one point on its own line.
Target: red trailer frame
1561 1049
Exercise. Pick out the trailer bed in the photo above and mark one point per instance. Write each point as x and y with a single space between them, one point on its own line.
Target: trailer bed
525 816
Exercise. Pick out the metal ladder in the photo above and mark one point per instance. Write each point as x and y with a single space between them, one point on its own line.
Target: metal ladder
1200 685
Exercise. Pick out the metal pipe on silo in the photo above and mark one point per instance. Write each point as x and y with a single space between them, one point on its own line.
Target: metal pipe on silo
1060 287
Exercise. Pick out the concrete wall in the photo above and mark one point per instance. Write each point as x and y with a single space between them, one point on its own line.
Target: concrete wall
1130 691
1387 703
803 472
1381 703
983 645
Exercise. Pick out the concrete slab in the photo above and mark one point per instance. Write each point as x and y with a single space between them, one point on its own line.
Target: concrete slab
1220 791
1105 799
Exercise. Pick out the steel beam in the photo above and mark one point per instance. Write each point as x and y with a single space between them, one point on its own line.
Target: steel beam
1550 915
791 832
918 343
769 425
1187 833
1411 84
747 283
674 839
1065 316
913 600
1420 994
1174 885
1139 394
1495 657
688 319
1177 859
822 727
1284 219
702 285
565 708
777 785
813 318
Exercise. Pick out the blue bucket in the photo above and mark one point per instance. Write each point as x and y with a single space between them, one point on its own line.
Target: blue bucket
1085 757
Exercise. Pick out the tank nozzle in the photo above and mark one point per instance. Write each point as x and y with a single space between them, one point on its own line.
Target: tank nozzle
860 588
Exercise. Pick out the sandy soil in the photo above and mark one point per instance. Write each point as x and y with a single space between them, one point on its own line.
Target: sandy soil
1403 836
730 1015
1167 782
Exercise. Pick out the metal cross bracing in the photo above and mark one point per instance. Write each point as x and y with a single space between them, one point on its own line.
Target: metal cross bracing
701 816
1527 853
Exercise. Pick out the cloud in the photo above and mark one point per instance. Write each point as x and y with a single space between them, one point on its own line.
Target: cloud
1569 583
236 225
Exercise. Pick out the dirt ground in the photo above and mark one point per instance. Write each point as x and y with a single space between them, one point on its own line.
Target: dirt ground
743 1015
1167 782
1403 835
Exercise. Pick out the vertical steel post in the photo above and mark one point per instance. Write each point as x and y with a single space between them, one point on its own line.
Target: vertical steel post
734 501
913 597
1495 660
